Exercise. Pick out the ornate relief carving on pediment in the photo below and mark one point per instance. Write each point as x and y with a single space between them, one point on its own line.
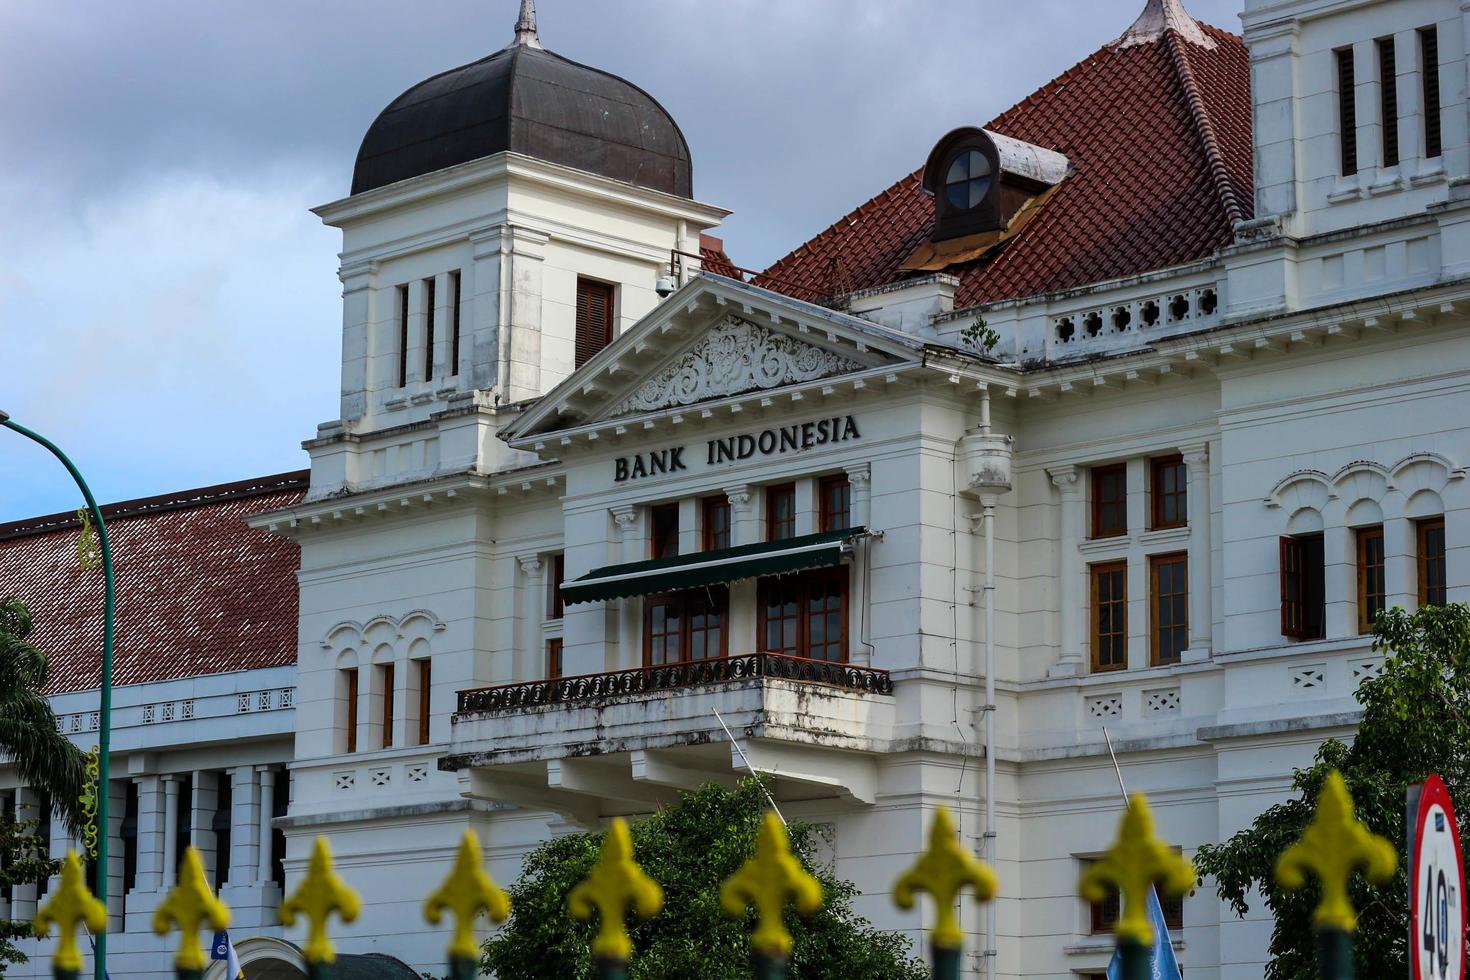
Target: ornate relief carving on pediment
733 358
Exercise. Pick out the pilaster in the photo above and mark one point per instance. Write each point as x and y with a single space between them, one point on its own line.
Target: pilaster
861 479
743 529
1068 481
170 830
1201 615
527 666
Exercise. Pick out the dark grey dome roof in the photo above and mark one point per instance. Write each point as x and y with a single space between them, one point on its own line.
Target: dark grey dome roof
526 99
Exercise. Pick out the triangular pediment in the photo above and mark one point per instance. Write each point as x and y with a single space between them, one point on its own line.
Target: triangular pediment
714 340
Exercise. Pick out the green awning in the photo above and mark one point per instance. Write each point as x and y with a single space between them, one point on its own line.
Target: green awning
710 567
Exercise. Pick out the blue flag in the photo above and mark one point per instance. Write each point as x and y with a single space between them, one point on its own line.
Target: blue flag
1161 962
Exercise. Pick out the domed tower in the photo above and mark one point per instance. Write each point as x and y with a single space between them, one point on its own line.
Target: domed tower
507 219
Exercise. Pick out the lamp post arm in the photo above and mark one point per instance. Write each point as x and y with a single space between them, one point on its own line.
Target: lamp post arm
104 726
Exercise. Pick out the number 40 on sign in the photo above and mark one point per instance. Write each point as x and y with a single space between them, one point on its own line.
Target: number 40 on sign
1436 884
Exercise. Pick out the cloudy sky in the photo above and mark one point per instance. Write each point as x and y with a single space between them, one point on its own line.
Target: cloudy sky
168 306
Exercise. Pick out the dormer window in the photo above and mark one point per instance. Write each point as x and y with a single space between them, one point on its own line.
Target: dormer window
968 180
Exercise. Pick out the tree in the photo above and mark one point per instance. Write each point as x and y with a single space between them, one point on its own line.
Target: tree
1416 720
23 861
690 849
46 759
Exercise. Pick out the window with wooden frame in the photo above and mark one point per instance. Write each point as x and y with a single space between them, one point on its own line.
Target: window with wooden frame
553 658
454 296
1429 89
1347 111
555 605
664 522
684 626
1109 500
1388 100
1432 582
594 318
1168 607
349 685
1168 492
780 511
1109 616
835 499
715 523
385 675
1104 915
429 316
402 335
1303 588
1372 587
805 615
425 682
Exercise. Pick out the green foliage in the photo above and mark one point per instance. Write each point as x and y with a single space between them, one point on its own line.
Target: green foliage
23 861
1416 720
690 849
980 335
45 758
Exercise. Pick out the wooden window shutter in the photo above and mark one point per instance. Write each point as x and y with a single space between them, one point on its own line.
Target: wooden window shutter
1293 605
594 318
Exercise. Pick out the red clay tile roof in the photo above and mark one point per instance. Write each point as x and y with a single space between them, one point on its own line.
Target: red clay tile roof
198 592
712 258
1159 134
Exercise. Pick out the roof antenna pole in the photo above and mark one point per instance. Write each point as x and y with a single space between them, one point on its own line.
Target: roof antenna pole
526 34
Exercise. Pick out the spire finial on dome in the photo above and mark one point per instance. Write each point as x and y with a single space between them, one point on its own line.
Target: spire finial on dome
1160 16
526 26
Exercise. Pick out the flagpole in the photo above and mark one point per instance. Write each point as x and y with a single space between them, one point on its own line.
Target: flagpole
1133 958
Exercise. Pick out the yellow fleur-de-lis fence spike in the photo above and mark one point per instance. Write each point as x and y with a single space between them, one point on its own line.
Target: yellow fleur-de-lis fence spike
615 885
1334 845
1137 861
943 871
466 893
72 903
190 904
767 881
320 893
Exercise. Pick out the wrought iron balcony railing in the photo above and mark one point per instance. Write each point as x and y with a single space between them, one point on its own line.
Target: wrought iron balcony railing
694 673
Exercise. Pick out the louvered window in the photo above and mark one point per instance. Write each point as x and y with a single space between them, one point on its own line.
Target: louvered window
402 296
1347 112
594 318
1429 72
429 311
1388 94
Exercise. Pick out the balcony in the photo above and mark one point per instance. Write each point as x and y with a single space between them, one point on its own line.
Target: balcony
620 742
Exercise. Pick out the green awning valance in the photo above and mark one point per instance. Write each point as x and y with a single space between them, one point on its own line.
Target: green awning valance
710 567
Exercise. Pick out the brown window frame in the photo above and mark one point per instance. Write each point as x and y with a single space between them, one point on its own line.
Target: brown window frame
1347 111
716 523
775 492
1156 626
1303 587
1429 90
658 516
716 597
803 584
1423 561
1159 496
554 668
595 299
1097 479
430 298
402 298
454 322
1388 99
1103 916
555 605
1095 573
386 676
830 511
1372 575
426 682
352 691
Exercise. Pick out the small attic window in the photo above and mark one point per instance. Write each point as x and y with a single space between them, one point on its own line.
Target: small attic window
968 180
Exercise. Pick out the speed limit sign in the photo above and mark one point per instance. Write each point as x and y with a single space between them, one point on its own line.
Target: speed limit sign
1436 886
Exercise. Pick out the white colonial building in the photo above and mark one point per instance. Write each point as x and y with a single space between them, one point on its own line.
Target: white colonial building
1128 409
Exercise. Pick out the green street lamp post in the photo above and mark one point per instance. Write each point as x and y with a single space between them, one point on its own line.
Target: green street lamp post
104 726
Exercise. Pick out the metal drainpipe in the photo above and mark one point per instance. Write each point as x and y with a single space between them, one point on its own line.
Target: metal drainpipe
988 510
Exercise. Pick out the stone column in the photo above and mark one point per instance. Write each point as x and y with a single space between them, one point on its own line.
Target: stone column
201 819
1400 576
630 610
743 529
1201 552
1339 575
1068 480
861 479
267 777
61 842
116 906
244 825
532 611
170 830
808 507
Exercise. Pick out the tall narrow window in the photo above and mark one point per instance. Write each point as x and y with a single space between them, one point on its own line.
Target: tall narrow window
1168 482
429 311
43 831
1388 97
454 323
385 675
805 615
1303 588
403 335
553 658
1429 74
425 679
1109 501
129 835
1109 616
220 823
716 523
1347 111
555 605
184 819
1372 592
781 512
594 318
663 624
1169 607
665 523
349 686
279 803
836 502
1432 591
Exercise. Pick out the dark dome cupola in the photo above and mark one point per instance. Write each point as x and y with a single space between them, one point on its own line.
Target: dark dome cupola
528 100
